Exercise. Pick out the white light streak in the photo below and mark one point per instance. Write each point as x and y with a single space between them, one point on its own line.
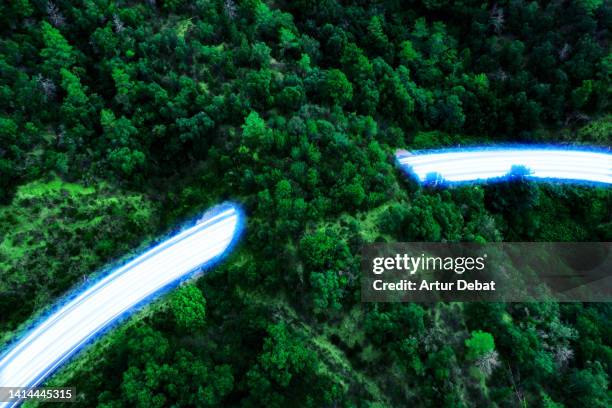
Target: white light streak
33 358
482 164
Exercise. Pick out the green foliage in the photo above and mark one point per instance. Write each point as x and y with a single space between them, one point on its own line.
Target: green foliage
324 250
407 52
337 87
8 171
119 132
598 131
172 5
57 53
124 86
54 234
377 35
547 402
479 344
590 6
326 289
284 355
590 386
76 109
189 308
255 132
156 373
581 95
15 10
126 160
283 366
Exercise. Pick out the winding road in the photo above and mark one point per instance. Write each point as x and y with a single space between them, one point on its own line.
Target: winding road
76 322
481 164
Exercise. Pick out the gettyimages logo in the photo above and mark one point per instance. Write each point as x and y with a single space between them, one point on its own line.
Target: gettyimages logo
412 264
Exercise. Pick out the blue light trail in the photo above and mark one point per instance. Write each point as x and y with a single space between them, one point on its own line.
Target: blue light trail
483 164
72 325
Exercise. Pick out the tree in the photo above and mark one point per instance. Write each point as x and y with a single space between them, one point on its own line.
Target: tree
581 95
196 129
119 132
548 402
327 291
589 387
479 344
449 113
291 98
77 111
441 363
188 308
105 41
407 52
173 5
57 53
257 87
377 36
255 133
11 12
517 200
337 87
288 40
124 85
389 327
324 250
125 160
10 157
355 63
590 6
281 369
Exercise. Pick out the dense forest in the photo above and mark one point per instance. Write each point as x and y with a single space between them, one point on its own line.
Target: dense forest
119 120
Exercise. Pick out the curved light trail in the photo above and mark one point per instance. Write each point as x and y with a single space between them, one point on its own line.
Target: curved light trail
463 165
55 339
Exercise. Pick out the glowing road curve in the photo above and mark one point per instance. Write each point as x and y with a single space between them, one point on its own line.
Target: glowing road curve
462 165
51 342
